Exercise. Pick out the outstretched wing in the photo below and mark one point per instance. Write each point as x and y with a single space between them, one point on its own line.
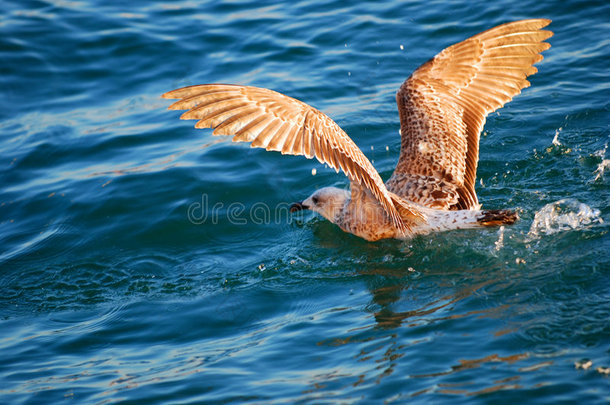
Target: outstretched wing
443 106
277 122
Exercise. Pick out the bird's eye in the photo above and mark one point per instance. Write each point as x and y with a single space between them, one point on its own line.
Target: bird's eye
315 200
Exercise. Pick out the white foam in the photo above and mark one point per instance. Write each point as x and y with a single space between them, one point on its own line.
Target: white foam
563 215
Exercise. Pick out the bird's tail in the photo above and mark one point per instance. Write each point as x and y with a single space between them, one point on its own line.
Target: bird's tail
420 219
497 217
440 220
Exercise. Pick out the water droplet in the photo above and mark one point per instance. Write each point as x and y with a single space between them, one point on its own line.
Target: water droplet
500 242
603 370
584 364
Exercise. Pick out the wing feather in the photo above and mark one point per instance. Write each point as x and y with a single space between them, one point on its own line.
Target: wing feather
277 122
448 99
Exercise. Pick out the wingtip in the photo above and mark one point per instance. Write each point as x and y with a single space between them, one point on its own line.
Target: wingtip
169 95
546 21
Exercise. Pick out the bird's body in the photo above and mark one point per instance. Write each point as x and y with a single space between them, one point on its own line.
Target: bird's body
442 108
360 214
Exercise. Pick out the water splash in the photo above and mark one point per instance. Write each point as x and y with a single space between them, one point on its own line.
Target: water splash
556 137
563 215
601 168
603 165
500 242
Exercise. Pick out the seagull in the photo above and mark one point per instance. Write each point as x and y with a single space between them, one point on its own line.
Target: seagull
442 106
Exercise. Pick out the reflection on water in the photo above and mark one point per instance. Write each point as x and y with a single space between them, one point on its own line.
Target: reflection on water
160 164
396 335
387 318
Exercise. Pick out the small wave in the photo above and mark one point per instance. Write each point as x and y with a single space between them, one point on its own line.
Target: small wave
38 244
563 215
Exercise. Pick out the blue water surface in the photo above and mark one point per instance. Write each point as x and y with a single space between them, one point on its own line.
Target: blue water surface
144 261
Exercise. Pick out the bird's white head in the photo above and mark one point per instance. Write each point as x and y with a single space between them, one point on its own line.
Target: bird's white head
327 201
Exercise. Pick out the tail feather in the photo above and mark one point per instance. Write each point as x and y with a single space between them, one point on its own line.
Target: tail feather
497 217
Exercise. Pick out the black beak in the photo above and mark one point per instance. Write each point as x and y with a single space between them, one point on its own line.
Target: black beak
298 206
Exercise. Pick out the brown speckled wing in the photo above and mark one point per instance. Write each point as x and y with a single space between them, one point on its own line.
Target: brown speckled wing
276 122
443 106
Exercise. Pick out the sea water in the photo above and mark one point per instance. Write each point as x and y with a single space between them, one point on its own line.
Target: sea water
144 261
